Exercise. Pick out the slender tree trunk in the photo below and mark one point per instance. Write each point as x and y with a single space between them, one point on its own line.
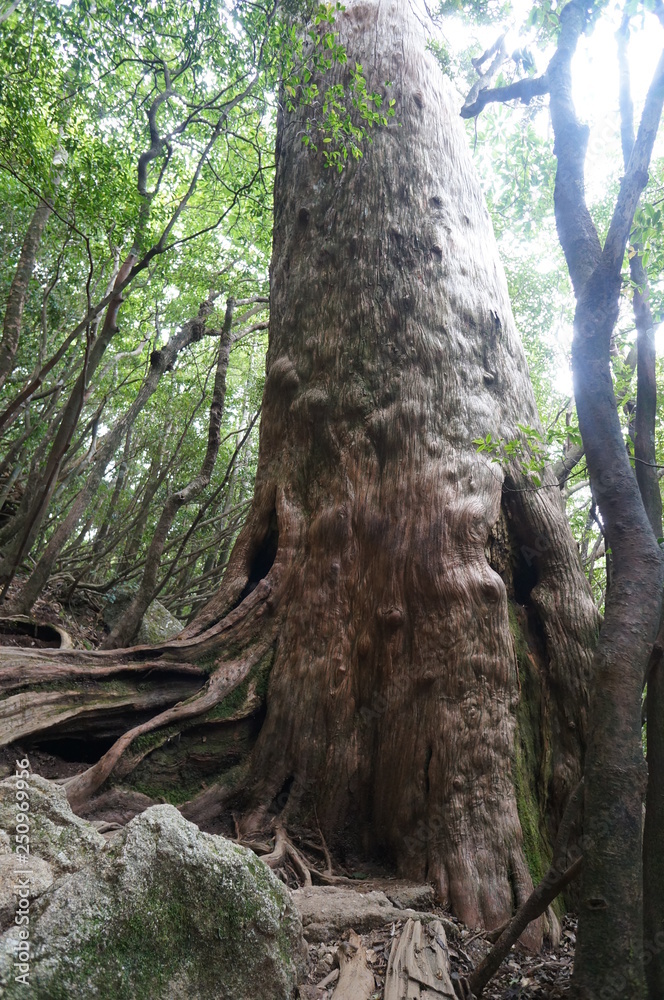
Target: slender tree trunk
653 850
18 291
610 939
128 624
120 480
646 475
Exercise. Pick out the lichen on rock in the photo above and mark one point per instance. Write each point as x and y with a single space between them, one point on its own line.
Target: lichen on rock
157 624
162 911
57 835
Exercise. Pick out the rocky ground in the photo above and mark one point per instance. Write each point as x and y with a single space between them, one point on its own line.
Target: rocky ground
375 910
378 910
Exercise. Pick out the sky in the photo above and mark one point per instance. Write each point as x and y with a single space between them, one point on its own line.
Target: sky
594 74
595 87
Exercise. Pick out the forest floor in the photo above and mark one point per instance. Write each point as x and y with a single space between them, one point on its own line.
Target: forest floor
522 976
81 617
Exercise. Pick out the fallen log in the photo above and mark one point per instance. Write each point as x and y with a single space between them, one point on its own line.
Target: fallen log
419 965
356 981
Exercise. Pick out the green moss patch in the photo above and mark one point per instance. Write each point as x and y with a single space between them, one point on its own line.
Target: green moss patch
529 764
179 760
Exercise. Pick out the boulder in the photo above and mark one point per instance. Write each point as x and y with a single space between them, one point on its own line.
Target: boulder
157 624
328 911
59 842
11 870
57 836
162 911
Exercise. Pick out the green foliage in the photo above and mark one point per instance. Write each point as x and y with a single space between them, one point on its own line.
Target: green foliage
150 129
646 241
527 451
474 11
340 116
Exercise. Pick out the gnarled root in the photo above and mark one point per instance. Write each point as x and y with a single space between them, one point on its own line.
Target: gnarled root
284 853
71 689
283 850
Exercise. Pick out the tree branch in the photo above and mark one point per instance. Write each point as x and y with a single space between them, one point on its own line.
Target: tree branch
636 174
522 90
10 10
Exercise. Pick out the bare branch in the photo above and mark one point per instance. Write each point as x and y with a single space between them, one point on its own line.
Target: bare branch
572 457
521 90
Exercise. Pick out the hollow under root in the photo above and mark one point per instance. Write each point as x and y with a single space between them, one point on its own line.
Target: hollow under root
81 787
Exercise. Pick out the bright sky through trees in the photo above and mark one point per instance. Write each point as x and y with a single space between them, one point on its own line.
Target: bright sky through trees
596 96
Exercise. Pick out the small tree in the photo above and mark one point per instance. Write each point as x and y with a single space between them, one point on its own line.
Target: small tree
611 949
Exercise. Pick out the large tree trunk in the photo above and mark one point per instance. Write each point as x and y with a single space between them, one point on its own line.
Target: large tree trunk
428 624
394 695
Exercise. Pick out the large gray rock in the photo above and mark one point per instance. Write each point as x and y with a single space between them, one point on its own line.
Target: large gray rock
157 624
328 911
162 912
59 841
57 836
11 871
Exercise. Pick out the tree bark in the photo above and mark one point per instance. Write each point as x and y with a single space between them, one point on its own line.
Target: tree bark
18 291
120 478
646 475
392 706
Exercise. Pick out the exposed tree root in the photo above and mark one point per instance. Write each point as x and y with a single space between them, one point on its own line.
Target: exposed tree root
328 857
206 806
38 695
118 805
224 679
285 849
82 786
284 853
44 693
559 875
